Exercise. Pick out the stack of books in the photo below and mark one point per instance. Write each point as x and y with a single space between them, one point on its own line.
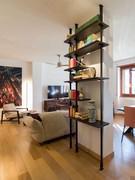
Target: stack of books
81 76
81 115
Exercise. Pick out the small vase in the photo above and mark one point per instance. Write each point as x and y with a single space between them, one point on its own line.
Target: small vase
92 112
81 94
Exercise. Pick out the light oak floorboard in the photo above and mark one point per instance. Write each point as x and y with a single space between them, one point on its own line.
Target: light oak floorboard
21 158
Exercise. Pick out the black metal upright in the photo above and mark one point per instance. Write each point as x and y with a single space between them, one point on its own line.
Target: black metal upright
76 101
101 87
76 144
70 102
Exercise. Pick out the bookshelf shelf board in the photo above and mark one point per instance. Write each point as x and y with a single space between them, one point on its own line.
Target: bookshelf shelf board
88 79
77 68
97 124
90 28
91 47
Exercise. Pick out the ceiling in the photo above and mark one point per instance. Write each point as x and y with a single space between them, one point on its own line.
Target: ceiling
34 30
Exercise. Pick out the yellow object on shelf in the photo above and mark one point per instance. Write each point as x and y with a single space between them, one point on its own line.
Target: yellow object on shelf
71 111
71 49
81 93
80 44
81 115
87 73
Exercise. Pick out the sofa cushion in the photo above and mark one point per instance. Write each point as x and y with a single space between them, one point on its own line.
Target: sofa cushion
36 128
55 124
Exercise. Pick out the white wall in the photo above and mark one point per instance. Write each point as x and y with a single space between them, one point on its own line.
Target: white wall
44 75
26 79
37 86
121 101
52 75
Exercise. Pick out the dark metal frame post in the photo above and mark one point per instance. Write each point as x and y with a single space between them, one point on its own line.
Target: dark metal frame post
101 88
76 100
70 102
76 104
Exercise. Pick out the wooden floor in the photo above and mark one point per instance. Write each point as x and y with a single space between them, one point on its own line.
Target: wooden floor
23 159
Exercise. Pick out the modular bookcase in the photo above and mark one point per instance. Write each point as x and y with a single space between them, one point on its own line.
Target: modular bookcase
95 25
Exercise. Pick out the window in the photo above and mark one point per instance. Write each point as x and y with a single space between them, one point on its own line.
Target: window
127 77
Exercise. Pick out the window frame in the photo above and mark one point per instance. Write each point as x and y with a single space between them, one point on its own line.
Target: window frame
129 66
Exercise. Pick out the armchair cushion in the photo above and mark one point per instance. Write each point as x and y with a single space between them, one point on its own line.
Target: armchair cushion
10 106
10 111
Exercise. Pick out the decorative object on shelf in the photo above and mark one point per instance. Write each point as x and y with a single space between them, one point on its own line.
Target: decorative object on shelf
73 94
91 38
71 49
92 111
74 48
72 62
91 72
80 44
78 75
72 111
86 73
81 94
81 115
81 62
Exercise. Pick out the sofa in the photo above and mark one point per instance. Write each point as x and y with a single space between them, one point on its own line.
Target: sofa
52 125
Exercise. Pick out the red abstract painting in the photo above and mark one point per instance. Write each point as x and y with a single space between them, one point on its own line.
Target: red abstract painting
10 85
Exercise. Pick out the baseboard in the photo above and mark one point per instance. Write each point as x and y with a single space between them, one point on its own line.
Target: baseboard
119 114
109 157
95 155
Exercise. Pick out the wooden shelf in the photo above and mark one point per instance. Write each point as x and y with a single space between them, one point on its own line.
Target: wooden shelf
87 79
94 46
77 68
82 34
97 124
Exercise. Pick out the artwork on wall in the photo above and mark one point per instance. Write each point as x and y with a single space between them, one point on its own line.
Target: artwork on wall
10 85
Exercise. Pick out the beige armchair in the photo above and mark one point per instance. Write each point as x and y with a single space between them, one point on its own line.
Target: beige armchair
11 112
